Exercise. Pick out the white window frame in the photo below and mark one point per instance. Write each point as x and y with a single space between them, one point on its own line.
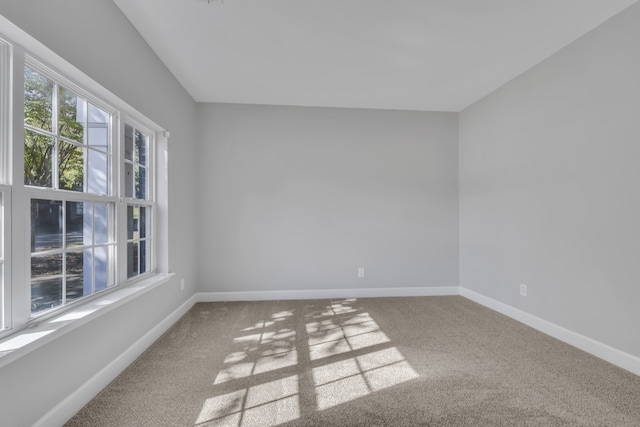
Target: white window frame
64 197
5 258
149 202
61 80
5 187
32 192
15 295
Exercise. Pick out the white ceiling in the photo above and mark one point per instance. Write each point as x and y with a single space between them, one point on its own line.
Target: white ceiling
438 55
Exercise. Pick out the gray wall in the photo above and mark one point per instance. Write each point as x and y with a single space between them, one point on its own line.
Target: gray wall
297 198
97 38
550 188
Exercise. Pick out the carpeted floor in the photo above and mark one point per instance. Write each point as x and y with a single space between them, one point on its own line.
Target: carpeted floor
441 361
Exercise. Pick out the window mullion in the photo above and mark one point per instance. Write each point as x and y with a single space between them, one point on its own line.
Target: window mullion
93 248
5 113
85 151
64 252
121 207
5 193
56 142
20 223
5 280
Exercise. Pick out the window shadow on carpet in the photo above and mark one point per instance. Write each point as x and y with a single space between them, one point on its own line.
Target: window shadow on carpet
300 360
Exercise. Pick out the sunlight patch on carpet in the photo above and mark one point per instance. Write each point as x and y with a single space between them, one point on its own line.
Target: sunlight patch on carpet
270 403
346 380
344 349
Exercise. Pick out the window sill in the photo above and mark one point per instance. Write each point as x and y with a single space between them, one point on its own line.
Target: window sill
39 333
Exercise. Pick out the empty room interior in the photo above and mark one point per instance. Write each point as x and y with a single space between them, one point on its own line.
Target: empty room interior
279 212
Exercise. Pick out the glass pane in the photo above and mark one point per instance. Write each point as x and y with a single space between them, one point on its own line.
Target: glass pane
128 180
128 142
141 182
70 167
79 266
144 256
133 213
78 219
143 222
98 173
38 159
101 222
38 100
101 268
72 115
98 128
46 225
132 259
141 148
46 282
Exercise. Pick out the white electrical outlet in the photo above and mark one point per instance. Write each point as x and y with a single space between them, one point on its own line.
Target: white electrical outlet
361 272
182 285
523 290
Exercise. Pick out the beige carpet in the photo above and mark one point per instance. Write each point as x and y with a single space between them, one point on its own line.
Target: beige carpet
441 361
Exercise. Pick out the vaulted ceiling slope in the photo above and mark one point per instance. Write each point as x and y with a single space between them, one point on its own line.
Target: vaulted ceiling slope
437 55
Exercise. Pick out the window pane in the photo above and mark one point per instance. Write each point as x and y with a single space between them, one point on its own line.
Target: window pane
133 213
46 282
128 142
143 222
98 171
144 256
98 128
78 223
132 259
46 225
72 112
79 265
38 159
101 222
128 180
101 268
80 165
141 148
141 182
71 167
38 100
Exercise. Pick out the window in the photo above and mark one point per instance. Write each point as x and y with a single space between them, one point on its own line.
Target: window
137 190
72 251
67 148
67 143
79 211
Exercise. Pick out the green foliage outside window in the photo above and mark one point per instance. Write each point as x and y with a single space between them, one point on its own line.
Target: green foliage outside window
39 148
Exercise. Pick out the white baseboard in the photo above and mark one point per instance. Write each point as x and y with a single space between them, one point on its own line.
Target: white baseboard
326 294
68 407
603 351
